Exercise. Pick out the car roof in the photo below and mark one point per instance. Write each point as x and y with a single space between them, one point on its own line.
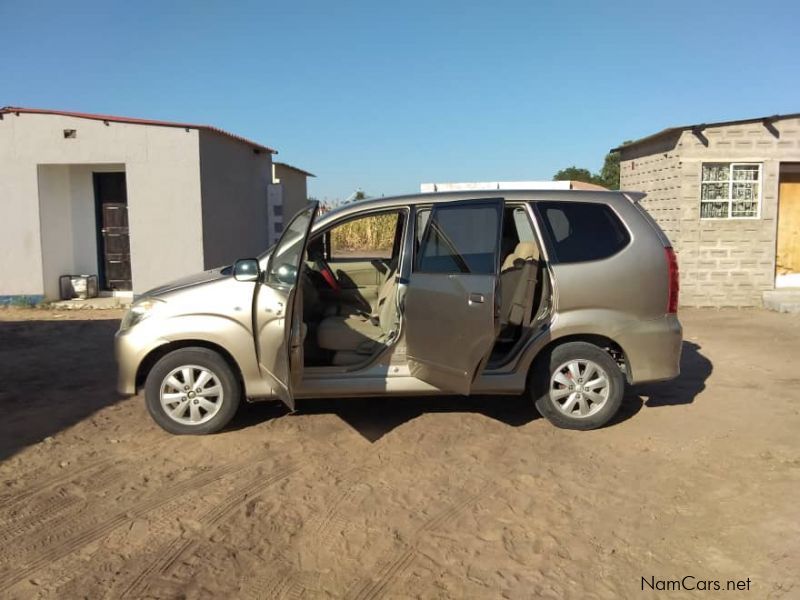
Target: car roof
370 204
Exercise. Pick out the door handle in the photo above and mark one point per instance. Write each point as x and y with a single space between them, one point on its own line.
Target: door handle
476 298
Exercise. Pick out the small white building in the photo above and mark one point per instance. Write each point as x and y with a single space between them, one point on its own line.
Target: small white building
137 202
288 194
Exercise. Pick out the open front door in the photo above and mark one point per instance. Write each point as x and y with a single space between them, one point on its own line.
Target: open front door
451 305
277 317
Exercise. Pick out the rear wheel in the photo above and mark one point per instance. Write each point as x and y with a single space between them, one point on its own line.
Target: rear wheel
192 391
577 386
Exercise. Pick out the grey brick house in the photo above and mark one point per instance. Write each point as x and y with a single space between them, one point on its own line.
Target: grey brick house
728 196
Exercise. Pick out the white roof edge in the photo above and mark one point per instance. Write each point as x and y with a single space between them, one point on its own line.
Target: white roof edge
493 185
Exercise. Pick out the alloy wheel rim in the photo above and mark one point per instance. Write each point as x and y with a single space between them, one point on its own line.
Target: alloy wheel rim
191 395
579 388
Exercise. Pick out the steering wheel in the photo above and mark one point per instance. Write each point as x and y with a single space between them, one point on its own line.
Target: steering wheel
327 274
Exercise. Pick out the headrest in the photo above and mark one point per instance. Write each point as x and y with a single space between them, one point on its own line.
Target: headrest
524 251
527 251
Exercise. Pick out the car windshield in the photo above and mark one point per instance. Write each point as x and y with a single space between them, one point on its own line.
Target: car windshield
284 259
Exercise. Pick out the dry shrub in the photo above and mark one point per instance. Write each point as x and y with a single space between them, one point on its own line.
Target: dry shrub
369 233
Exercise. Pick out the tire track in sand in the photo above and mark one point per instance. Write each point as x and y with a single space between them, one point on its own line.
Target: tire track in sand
7 504
164 560
283 582
397 563
331 520
55 549
283 585
53 505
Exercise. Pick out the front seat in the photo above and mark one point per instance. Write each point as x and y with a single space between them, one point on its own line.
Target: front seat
517 282
354 337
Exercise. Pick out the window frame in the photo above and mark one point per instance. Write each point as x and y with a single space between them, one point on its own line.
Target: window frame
730 199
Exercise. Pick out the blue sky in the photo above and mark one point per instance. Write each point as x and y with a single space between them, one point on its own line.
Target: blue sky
385 95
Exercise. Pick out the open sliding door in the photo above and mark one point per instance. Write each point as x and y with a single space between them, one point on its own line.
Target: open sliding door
451 305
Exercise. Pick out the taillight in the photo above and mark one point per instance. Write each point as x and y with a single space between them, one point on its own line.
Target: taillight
673 280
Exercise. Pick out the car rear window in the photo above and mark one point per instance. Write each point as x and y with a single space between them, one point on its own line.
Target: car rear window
582 231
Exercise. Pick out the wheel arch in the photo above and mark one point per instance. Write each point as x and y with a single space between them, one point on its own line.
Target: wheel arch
612 347
159 352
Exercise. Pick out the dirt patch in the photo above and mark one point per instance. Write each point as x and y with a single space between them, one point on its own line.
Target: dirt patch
420 497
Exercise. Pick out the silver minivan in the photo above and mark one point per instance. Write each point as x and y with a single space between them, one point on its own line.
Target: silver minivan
561 295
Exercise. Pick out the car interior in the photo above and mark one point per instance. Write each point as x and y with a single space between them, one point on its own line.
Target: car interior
349 290
523 285
349 287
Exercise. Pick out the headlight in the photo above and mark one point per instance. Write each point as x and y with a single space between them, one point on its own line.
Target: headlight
140 310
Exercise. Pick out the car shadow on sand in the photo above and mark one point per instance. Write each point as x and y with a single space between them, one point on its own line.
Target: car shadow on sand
374 417
696 368
57 373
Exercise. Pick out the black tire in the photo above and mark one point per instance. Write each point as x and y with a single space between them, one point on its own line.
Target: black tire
544 370
206 359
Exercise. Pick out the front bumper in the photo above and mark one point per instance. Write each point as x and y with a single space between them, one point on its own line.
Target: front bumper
653 349
130 349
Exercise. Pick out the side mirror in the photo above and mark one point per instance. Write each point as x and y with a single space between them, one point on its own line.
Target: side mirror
246 269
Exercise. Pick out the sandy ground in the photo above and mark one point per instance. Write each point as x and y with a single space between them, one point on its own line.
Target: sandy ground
420 498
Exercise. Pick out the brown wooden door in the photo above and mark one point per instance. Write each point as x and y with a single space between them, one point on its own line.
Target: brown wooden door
788 252
114 251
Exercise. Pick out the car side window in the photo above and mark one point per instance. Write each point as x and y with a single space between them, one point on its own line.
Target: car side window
371 236
284 263
582 231
460 239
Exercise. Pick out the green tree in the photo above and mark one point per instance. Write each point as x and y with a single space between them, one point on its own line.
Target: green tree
607 177
574 173
609 174
610 171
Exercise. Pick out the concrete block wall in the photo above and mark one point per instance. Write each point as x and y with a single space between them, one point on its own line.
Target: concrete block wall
655 174
724 262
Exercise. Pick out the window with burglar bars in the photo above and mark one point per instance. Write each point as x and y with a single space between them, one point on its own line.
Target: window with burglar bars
730 191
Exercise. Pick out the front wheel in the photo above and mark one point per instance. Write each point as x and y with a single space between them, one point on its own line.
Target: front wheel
192 391
577 386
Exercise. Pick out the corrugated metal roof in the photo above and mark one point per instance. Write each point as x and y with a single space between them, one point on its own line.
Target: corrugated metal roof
133 120
701 126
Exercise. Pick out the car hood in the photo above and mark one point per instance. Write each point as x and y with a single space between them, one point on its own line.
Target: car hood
190 281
